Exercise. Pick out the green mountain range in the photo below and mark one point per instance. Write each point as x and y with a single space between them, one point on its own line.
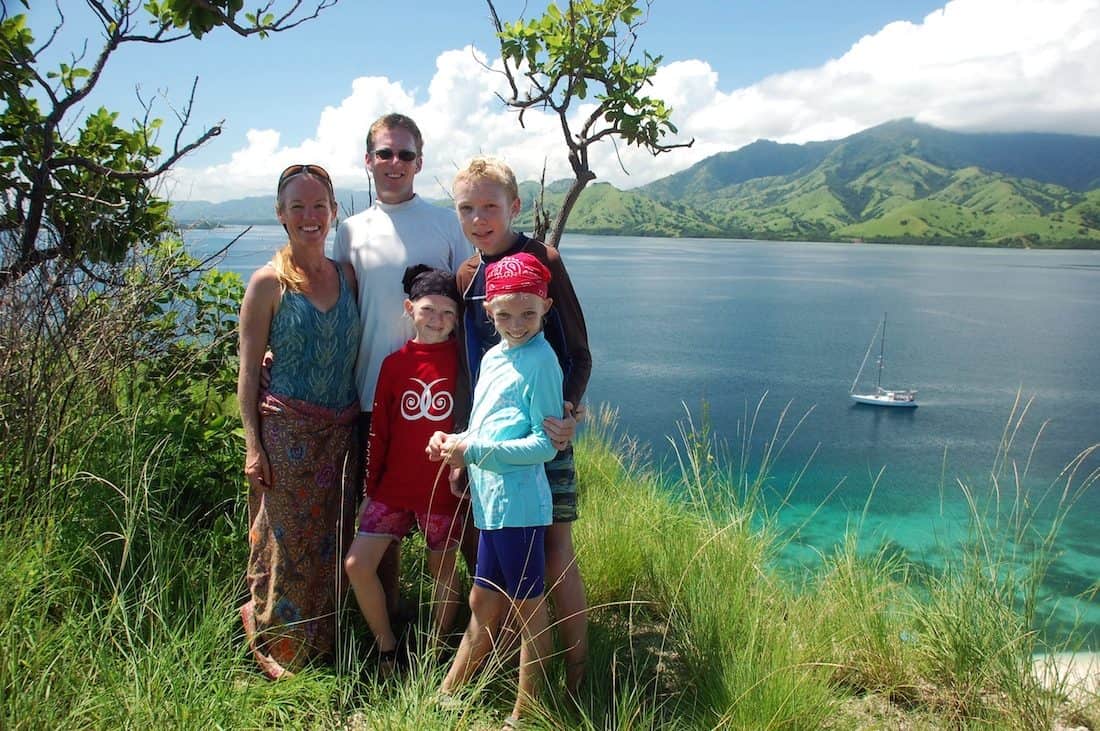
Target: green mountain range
254 210
899 182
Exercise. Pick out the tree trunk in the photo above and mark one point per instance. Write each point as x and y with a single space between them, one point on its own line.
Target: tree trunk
579 183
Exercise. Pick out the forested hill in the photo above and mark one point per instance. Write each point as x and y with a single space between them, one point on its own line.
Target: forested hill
898 182
1070 161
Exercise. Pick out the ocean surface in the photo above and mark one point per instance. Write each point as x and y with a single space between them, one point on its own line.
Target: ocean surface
761 341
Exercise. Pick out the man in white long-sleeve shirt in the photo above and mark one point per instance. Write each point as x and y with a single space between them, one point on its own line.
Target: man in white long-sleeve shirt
398 230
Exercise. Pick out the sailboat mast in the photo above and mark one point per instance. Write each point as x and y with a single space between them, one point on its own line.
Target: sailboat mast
881 352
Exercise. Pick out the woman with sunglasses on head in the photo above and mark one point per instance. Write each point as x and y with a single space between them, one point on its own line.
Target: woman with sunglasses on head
300 441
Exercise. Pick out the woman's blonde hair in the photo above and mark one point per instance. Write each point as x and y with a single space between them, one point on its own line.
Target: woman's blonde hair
288 274
283 262
489 168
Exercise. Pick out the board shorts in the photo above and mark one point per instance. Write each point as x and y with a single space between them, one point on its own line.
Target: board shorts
562 477
442 531
512 561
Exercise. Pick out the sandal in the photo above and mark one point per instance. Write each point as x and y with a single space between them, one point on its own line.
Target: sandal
511 724
447 701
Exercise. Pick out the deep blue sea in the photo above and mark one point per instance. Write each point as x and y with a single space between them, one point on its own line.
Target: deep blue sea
676 324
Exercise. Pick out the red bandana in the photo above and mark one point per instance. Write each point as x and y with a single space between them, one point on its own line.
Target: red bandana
518 273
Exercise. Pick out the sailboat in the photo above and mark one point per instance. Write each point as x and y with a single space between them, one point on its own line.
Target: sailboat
906 397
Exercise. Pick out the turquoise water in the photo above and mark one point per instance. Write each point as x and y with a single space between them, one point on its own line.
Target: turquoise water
678 323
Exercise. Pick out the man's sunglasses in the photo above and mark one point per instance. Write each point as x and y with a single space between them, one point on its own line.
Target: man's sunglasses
290 172
386 153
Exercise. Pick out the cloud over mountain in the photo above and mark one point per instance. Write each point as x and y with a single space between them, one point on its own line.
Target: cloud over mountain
989 65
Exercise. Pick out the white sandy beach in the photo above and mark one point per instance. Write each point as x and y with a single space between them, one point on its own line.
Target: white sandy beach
1077 674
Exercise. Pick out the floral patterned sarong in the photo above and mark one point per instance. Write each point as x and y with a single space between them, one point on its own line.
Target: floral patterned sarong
299 528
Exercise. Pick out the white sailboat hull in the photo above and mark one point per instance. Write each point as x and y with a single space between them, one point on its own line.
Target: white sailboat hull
886 397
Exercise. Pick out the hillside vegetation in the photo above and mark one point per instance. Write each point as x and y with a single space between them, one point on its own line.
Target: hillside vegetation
900 182
119 612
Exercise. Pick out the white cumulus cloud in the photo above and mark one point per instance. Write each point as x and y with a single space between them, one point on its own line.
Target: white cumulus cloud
991 65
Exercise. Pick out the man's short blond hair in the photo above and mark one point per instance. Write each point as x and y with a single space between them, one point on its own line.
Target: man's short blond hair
489 168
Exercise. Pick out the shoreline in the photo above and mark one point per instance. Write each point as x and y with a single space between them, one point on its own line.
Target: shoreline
1077 674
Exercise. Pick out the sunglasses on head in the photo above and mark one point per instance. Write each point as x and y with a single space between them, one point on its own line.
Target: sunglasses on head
293 170
386 153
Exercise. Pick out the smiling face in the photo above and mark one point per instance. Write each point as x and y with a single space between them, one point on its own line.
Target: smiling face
433 317
517 316
306 209
393 177
485 210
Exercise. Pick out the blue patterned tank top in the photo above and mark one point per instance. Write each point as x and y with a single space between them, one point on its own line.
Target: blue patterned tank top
315 351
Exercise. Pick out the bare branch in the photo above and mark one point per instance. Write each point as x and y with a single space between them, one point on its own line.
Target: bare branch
220 252
83 162
62 106
98 277
185 118
619 156
507 69
53 34
47 88
592 120
123 23
92 199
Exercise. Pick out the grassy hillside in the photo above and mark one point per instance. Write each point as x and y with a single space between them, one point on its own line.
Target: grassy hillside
692 626
604 209
875 189
898 182
761 159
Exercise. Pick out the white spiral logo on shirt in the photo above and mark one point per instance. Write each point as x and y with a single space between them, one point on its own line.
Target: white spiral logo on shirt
424 404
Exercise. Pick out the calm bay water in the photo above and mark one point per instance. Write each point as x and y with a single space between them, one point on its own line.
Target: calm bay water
676 323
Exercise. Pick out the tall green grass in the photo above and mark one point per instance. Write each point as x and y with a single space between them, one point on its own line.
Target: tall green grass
119 611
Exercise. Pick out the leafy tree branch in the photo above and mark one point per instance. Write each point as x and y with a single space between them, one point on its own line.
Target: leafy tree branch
565 57
83 191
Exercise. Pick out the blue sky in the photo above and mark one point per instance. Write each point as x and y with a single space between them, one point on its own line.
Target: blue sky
734 71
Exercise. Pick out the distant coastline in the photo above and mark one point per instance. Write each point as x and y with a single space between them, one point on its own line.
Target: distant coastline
204 224
1021 242
898 183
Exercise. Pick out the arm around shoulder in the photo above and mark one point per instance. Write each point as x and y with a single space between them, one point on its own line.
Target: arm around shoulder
546 400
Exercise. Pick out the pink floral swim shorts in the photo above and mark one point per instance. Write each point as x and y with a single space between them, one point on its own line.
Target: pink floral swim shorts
442 531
